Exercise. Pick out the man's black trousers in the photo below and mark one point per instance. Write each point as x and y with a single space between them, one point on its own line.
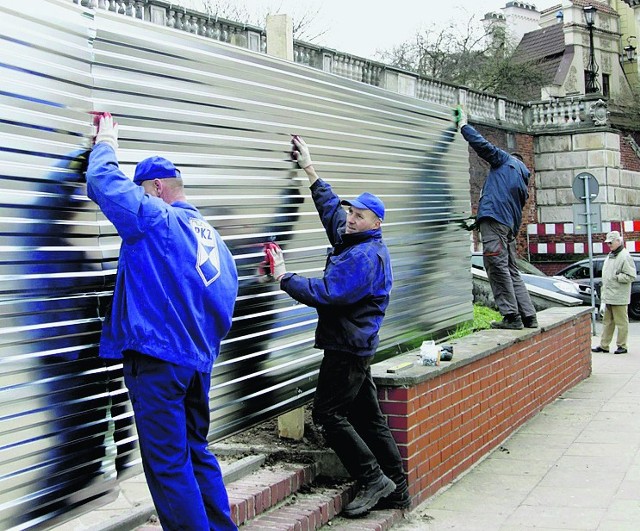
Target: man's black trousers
346 407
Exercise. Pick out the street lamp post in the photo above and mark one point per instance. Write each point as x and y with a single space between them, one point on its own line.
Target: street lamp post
591 84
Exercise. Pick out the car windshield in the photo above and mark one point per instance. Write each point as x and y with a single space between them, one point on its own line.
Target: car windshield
580 272
526 267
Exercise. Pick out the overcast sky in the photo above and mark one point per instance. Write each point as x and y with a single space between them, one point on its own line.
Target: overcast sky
361 27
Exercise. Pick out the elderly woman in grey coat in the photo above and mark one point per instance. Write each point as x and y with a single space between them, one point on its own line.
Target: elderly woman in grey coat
618 272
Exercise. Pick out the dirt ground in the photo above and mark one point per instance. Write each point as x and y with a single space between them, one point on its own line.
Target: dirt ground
264 437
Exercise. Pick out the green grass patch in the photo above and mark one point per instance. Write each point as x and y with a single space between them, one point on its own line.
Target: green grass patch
412 339
482 317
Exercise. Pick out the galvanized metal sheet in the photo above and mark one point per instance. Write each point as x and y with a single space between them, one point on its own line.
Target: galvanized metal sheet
224 115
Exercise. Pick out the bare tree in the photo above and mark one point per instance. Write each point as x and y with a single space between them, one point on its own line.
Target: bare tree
467 55
303 23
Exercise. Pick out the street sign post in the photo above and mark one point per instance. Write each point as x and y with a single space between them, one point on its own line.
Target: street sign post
586 188
580 218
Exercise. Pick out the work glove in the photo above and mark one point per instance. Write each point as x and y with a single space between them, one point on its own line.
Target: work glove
275 258
107 131
461 117
469 224
300 152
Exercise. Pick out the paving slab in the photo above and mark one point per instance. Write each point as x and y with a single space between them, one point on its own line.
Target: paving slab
574 466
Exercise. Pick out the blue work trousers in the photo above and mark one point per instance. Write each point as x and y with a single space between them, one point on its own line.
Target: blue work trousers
171 407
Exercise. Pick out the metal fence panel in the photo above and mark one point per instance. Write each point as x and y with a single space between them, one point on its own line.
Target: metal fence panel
224 115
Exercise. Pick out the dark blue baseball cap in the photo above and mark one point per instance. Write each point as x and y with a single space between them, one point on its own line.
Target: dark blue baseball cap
155 168
367 201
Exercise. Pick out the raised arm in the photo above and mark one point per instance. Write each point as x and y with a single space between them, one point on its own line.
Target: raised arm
302 156
486 150
124 203
333 289
332 214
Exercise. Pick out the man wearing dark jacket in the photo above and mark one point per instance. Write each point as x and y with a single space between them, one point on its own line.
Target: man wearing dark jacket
172 305
351 299
504 194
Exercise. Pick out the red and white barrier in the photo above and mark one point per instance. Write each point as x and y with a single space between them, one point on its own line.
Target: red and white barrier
548 229
572 247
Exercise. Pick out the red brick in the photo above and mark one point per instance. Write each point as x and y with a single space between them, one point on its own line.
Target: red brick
402 394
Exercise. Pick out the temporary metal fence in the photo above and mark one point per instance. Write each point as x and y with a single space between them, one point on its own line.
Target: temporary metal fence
224 115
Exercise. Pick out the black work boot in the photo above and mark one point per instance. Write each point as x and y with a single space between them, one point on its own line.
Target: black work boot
511 321
530 321
398 499
368 495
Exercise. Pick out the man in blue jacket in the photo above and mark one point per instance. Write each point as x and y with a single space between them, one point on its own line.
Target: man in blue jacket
172 305
504 194
351 299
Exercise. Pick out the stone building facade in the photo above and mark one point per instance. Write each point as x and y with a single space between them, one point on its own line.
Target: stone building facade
607 155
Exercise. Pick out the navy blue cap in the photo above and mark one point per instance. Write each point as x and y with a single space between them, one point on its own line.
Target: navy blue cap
155 168
367 201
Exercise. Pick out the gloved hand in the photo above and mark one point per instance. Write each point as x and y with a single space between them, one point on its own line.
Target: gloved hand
107 131
461 117
275 258
300 152
603 308
469 224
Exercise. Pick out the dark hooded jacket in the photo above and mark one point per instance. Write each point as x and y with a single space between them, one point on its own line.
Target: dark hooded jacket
353 294
505 190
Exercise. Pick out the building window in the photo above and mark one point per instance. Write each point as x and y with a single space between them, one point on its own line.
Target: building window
605 85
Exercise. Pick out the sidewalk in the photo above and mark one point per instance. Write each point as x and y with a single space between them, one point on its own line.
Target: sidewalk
576 465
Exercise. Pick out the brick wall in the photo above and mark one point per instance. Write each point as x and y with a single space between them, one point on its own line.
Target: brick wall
553 266
628 158
524 145
445 419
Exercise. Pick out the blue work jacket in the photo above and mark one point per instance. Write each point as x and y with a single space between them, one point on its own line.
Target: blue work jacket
176 284
353 294
505 190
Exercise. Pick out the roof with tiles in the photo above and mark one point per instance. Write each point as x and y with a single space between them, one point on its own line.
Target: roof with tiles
545 46
600 6
541 44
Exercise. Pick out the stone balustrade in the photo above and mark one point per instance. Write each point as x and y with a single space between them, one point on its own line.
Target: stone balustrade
482 106
173 16
437 92
556 114
514 112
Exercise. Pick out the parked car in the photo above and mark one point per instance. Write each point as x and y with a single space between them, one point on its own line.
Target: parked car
532 276
579 274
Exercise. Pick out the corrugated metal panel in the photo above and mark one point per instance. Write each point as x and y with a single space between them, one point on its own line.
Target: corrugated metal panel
224 115
64 414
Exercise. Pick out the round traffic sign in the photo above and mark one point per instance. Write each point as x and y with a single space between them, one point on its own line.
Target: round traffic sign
580 183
